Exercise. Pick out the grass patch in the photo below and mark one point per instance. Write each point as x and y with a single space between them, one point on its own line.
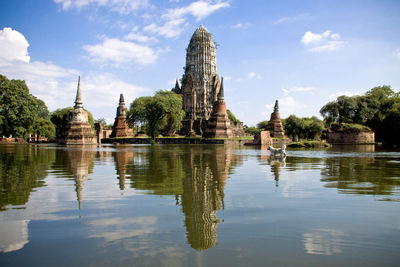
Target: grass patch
309 144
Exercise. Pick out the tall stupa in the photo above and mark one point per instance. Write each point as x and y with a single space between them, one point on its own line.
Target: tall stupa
201 83
78 130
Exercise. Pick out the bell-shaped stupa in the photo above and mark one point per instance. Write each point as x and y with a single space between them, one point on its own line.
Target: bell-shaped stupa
78 130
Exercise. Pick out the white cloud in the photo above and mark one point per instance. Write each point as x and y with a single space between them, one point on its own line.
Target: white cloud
291 19
310 38
241 26
13 45
326 41
287 106
297 89
120 6
330 46
253 75
199 9
56 85
134 35
170 29
117 51
175 20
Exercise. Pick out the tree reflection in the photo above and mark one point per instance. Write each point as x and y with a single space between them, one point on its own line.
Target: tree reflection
78 163
362 175
195 175
22 169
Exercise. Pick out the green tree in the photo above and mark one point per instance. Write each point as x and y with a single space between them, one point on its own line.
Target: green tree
158 111
232 117
60 119
262 124
18 108
43 127
251 130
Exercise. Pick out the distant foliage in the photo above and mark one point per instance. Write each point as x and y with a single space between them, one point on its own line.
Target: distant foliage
160 113
303 128
251 130
231 117
379 109
262 124
20 112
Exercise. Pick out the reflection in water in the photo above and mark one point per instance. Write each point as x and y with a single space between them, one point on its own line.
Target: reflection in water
122 159
275 162
22 169
363 175
323 241
14 235
77 162
196 176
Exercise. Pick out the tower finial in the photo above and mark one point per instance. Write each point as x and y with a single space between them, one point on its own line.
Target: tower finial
276 108
121 99
221 90
78 99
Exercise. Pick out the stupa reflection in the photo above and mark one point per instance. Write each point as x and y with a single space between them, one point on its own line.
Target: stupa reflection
122 159
196 176
80 164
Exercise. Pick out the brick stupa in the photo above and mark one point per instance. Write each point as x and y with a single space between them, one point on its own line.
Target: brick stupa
78 130
219 126
275 124
120 127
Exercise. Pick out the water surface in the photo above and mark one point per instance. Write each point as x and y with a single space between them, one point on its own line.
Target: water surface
181 205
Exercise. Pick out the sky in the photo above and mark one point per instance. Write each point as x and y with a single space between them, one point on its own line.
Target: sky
302 53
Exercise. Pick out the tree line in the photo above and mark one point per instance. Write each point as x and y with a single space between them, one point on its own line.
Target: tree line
22 114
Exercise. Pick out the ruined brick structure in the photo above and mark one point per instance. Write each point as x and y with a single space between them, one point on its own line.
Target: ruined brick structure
201 83
120 127
78 130
275 126
219 125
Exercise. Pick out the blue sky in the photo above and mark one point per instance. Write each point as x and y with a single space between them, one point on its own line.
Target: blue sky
304 53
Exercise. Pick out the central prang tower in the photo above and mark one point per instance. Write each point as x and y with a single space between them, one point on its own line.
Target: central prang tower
200 85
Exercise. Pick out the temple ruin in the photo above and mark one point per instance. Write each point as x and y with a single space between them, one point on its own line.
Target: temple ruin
274 125
200 83
78 130
120 127
218 126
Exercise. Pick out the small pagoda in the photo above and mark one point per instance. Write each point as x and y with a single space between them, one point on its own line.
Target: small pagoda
219 126
274 125
120 127
78 130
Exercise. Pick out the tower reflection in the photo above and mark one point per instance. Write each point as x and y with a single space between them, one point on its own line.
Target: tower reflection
80 164
196 176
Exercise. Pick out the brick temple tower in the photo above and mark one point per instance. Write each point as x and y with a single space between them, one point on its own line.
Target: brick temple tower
219 125
120 127
201 83
275 126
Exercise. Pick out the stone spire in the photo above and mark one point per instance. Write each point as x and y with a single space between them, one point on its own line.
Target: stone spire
276 107
121 110
221 90
275 126
78 99
121 127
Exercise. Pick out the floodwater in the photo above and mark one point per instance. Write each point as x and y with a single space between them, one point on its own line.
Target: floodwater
183 205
